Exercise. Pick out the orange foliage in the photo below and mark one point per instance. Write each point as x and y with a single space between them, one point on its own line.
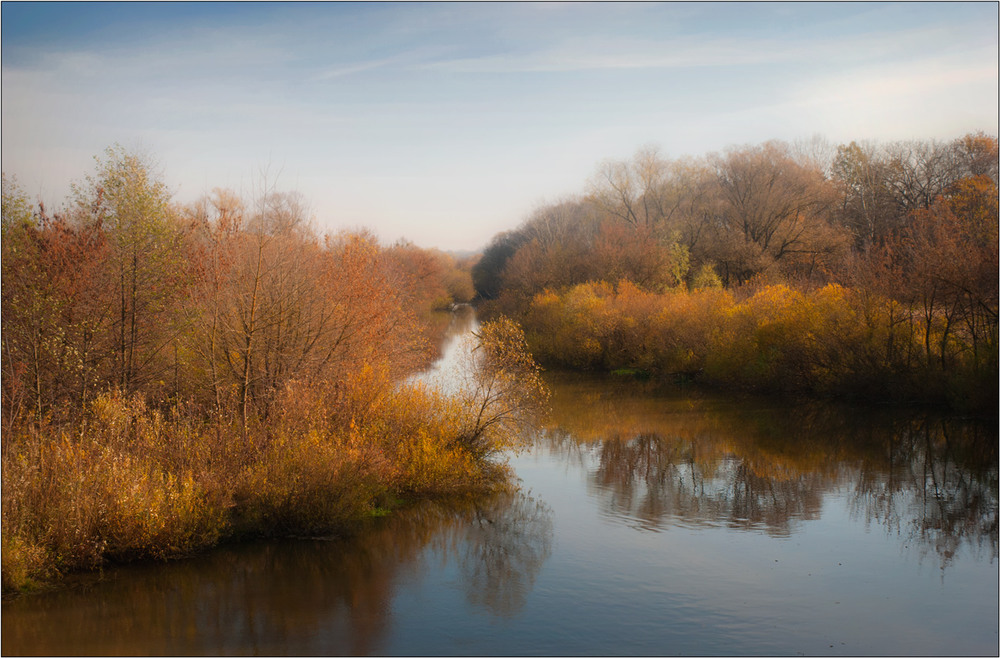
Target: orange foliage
171 377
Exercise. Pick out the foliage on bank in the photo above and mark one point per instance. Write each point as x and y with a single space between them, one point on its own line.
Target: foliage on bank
131 481
178 376
830 341
870 271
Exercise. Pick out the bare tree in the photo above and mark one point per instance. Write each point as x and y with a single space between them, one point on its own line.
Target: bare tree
773 211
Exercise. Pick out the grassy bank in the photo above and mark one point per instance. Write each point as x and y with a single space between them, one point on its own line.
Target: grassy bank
129 481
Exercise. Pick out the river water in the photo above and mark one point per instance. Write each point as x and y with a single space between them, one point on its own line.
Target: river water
649 521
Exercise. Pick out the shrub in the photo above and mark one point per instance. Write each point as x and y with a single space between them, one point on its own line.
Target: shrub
131 482
830 341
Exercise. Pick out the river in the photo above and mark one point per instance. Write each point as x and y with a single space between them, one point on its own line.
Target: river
649 521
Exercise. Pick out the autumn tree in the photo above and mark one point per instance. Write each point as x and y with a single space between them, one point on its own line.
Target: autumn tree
977 154
774 213
282 305
555 250
920 171
371 319
667 202
424 272
882 184
21 340
256 285
635 191
55 309
282 315
217 220
458 279
148 272
636 254
505 395
488 271
694 206
951 256
868 207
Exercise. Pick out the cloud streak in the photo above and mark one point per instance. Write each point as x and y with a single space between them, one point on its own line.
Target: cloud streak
603 54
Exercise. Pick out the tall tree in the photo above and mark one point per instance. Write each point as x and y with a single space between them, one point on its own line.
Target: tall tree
145 259
217 220
868 205
634 191
487 273
951 253
281 305
978 155
55 310
775 212
920 171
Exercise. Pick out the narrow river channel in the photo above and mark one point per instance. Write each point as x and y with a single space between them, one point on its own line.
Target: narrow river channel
649 521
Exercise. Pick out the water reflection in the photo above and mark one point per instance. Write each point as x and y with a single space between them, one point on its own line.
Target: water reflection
503 551
657 480
329 597
934 487
457 342
660 459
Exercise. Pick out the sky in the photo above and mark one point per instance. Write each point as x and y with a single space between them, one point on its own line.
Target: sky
446 123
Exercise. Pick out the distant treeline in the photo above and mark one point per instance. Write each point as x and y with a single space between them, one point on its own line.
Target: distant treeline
176 375
865 270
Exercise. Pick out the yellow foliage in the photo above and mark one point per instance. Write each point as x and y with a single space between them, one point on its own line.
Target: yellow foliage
831 340
133 482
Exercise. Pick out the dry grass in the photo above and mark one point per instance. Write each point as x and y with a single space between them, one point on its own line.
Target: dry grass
130 482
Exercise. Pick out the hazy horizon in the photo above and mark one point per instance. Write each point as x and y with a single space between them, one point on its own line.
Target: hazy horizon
447 123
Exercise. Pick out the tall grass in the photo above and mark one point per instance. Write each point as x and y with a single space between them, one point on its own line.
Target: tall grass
129 482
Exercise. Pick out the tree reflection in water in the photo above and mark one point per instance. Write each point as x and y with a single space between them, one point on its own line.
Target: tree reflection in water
657 481
326 597
504 548
657 459
935 487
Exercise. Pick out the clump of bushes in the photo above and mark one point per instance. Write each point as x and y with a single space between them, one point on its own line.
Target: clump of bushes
722 268
832 341
129 481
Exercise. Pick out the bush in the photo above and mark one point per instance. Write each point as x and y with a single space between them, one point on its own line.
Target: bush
831 341
131 482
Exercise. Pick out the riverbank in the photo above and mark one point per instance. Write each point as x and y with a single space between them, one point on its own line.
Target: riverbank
828 342
741 521
129 481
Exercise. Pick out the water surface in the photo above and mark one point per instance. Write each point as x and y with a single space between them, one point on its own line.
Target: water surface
649 520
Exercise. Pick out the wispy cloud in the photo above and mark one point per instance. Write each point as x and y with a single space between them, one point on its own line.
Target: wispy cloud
344 70
410 58
608 53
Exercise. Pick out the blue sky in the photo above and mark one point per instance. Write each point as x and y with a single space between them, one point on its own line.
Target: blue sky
446 123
